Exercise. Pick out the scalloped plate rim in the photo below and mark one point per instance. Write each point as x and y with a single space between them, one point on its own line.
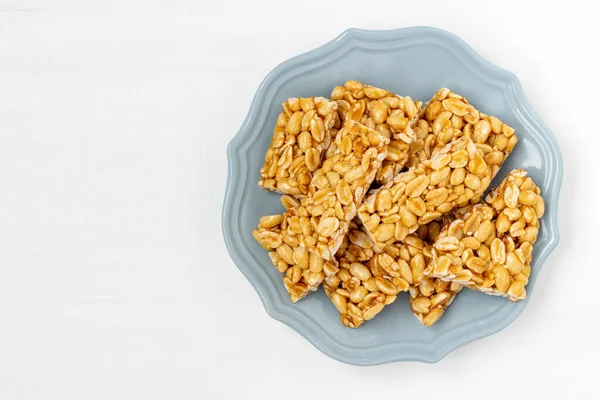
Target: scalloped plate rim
423 352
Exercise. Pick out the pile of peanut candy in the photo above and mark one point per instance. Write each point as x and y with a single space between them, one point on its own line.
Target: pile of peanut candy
384 195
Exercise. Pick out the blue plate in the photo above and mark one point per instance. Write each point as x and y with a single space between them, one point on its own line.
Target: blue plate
414 62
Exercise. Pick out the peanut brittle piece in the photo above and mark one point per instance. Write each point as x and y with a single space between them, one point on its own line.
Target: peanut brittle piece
448 116
388 113
488 247
301 271
359 290
455 176
300 138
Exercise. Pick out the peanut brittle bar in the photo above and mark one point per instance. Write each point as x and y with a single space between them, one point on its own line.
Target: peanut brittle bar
301 271
388 113
300 138
455 176
360 289
429 297
488 247
448 116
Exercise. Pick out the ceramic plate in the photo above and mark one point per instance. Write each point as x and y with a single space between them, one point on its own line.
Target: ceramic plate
414 62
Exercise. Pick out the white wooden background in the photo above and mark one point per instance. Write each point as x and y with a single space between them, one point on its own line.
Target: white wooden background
114 279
